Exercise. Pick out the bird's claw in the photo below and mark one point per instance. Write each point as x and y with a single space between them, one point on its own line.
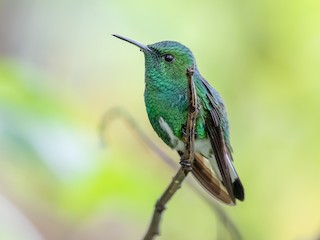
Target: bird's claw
186 164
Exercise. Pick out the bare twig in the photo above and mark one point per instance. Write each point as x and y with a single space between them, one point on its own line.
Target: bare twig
153 229
186 160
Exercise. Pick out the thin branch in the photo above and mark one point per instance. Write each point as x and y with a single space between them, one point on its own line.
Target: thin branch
153 229
186 160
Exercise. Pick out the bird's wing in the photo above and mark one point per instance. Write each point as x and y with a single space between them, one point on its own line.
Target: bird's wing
208 179
213 125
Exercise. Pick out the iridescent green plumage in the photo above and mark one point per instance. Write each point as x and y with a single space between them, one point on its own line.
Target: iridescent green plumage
167 107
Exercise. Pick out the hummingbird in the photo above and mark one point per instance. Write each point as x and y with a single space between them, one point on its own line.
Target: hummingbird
167 104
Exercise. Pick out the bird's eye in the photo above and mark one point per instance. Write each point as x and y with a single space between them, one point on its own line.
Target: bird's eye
168 57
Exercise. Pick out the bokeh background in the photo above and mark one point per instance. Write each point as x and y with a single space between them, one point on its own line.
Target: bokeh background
60 70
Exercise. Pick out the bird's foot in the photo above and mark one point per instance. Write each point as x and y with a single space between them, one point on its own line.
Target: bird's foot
186 164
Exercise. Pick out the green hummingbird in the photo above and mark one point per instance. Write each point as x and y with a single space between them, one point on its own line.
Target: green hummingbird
166 103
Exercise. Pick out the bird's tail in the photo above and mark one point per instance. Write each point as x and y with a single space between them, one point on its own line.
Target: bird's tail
203 172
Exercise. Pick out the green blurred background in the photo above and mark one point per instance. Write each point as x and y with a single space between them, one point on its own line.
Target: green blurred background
60 70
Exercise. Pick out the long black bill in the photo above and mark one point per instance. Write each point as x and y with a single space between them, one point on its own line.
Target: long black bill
141 46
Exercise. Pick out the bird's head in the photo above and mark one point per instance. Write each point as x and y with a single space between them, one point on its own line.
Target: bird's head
166 59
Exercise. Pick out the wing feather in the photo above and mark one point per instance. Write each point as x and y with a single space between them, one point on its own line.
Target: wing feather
215 132
207 178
